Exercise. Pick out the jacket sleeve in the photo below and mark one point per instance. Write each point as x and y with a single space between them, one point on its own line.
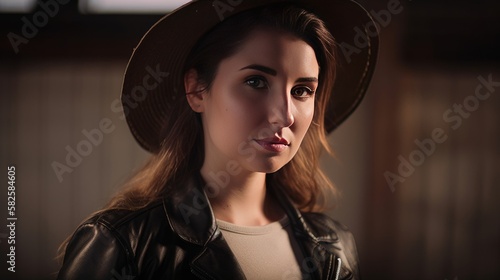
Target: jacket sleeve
95 251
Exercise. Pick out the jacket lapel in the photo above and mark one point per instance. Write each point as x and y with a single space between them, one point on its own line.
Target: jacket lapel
191 218
217 260
321 256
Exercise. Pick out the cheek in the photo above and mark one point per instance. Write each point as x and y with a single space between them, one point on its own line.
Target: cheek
305 115
232 117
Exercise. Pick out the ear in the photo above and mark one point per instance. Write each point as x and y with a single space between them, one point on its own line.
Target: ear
195 94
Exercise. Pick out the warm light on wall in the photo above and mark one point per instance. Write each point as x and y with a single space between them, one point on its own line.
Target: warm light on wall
129 6
16 6
101 6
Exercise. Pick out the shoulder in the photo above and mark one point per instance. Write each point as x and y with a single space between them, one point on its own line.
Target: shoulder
121 221
134 230
128 225
109 242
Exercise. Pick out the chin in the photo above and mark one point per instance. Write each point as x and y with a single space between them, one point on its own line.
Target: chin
267 165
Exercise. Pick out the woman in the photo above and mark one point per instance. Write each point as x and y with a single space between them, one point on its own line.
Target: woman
234 100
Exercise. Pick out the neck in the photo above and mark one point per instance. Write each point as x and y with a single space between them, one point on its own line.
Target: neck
241 199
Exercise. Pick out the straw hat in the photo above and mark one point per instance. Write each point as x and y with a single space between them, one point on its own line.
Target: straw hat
154 80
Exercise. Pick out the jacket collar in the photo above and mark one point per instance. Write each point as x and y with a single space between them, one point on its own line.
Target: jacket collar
189 212
320 262
190 216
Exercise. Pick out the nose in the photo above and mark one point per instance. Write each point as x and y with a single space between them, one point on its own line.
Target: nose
281 105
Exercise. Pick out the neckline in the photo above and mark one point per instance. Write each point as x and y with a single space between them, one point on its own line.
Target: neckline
254 230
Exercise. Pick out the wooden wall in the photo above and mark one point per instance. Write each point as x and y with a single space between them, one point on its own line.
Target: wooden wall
44 109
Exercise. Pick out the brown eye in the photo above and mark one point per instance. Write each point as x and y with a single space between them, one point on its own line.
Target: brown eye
257 82
302 92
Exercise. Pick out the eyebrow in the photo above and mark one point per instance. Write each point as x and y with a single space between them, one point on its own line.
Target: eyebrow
307 80
261 68
273 72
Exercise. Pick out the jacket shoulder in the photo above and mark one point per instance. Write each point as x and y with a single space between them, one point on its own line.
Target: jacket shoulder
108 242
122 220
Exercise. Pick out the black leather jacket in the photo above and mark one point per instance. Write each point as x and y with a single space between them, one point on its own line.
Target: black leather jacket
178 238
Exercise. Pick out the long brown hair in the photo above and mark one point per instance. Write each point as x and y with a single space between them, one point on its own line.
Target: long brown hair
182 150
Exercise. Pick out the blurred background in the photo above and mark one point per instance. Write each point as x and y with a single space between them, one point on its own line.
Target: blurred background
417 163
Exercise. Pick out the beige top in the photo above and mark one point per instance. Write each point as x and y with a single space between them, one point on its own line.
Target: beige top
265 252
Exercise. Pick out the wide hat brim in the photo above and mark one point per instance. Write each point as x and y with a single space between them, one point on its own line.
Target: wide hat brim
154 76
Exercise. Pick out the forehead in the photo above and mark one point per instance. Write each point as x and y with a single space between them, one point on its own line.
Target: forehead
279 50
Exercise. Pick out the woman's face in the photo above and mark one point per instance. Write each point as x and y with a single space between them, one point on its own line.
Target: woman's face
260 104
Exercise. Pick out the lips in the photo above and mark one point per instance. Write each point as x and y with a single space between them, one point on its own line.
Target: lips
274 144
